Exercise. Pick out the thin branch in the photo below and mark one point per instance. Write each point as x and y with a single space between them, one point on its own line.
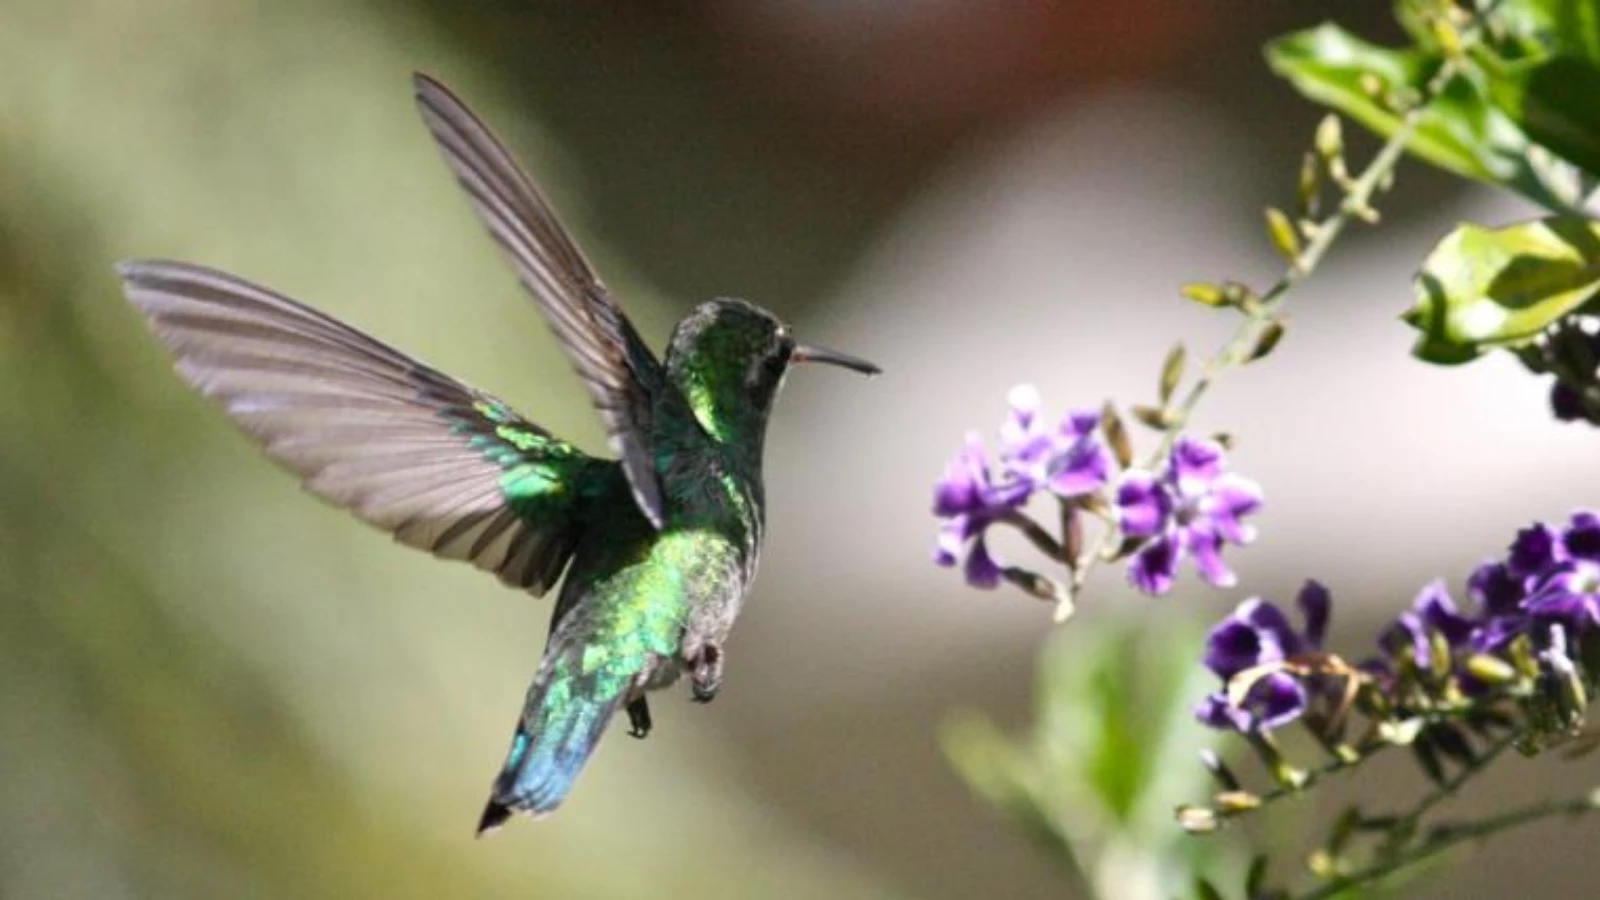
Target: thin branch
1407 824
1445 838
1310 778
1357 203
1035 533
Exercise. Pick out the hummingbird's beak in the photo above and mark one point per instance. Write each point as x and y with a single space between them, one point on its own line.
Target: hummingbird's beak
803 353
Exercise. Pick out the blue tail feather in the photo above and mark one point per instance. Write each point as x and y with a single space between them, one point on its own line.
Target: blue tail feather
544 762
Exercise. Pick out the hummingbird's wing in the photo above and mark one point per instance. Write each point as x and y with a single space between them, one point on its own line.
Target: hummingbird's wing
622 374
444 467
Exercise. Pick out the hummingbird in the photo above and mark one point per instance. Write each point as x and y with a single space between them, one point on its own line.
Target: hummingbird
659 545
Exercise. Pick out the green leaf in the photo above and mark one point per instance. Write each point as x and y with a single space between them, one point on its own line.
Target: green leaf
1563 27
1110 755
1577 28
1117 703
1000 771
1499 287
1460 131
1557 103
1256 878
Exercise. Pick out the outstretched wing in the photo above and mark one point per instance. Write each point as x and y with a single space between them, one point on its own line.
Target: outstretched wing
444 467
622 374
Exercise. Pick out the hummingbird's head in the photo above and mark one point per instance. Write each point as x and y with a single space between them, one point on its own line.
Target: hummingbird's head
729 358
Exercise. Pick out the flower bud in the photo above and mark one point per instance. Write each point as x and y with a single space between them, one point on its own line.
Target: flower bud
1490 669
1237 801
1197 819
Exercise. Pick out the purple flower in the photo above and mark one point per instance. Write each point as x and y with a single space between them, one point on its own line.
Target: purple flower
1066 461
1536 549
1543 597
1582 538
1256 636
1568 593
1190 510
973 494
1550 577
1497 595
1432 613
970 498
1495 590
1559 571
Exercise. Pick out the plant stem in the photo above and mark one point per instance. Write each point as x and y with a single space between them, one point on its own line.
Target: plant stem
1404 828
1310 778
1445 838
1035 533
1364 751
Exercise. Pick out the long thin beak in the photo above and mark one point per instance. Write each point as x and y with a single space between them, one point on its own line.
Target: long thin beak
803 353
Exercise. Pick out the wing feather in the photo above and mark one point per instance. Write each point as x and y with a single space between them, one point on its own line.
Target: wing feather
441 465
622 376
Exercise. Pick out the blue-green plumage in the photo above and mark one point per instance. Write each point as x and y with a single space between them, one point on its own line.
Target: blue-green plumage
658 546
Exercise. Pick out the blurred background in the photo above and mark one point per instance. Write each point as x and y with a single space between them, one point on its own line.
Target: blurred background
211 685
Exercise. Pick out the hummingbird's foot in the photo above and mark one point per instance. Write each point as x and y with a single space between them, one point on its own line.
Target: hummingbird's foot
705 674
639 718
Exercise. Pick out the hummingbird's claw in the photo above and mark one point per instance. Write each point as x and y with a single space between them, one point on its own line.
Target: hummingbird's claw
639 718
705 676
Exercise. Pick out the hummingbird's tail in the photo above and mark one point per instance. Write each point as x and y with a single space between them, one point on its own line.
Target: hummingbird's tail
565 715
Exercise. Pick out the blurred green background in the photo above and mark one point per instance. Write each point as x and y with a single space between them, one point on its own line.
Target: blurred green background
212 686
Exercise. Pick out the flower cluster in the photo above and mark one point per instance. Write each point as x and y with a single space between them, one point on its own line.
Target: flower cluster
1067 460
1546 589
1190 509
1529 613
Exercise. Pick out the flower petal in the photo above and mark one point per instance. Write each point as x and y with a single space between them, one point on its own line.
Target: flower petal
953 537
1409 634
1143 504
955 493
1014 492
1083 469
1196 460
1536 548
1438 613
982 570
1018 428
1205 545
1276 700
1571 595
965 480
1232 497
1495 591
1314 602
1154 566
1029 461
1278 637
1582 537
1216 712
1079 424
1256 632
1493 635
